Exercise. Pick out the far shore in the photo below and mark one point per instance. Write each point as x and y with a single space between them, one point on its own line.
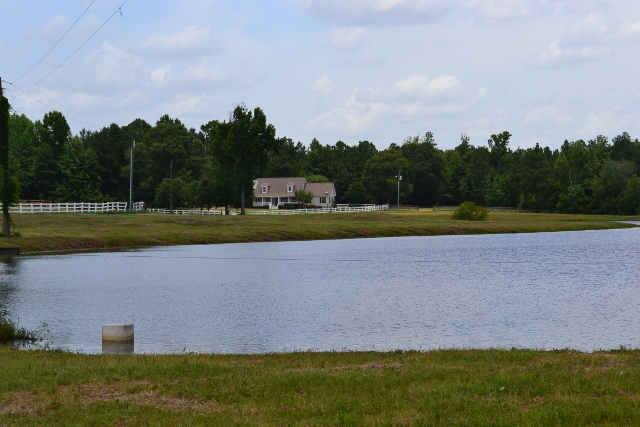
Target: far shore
46 233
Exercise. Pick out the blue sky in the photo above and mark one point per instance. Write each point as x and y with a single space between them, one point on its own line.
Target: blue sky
379 70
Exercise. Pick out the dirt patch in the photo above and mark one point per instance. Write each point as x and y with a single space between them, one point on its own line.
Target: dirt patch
380 366
85 395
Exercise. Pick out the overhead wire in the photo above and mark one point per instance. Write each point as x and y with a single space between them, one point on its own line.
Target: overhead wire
48 106
74 52
25 91
56 44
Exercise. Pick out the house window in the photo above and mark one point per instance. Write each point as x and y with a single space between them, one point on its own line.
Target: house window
284 199
323 199
258 199
289 188
265 188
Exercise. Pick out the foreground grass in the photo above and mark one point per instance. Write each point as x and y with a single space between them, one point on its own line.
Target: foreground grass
50 232
452 387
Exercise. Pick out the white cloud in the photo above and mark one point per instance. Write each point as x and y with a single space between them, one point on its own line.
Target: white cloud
376 11
322 85
113 66
629 29
191 41
590 28
547 115
159 74
188 104
421 86
414 96
506 11
557 55
353 117
347 38
204 73
599 124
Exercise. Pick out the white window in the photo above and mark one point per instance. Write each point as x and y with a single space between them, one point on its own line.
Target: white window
265 188
323 199
289 188
284 199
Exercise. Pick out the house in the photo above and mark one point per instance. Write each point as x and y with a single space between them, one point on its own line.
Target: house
278 191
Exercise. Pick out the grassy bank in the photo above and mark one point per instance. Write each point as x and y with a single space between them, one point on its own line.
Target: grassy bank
50 232
452 387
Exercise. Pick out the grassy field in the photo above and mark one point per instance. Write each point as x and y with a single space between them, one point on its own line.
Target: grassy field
54 232
438 388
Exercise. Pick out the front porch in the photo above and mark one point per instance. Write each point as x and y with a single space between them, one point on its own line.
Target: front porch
273 201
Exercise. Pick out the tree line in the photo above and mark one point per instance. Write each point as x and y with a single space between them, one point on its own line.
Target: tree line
216 165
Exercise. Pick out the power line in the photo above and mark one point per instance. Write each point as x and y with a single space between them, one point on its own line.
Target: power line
56 44
48 106
73 53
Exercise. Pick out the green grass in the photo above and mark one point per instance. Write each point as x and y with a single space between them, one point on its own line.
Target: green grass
437 388
54 232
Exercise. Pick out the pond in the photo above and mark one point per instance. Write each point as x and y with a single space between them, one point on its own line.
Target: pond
575 290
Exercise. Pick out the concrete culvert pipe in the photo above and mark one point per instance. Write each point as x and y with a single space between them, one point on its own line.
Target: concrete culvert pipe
117 332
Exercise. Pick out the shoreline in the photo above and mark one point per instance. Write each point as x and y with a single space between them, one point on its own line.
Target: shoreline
42 234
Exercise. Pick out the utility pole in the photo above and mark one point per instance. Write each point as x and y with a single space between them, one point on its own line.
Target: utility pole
4 155
171 186
133 145
399 177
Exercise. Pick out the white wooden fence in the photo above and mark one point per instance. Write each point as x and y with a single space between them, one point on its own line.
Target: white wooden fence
340 208
64 207
186 211
368 208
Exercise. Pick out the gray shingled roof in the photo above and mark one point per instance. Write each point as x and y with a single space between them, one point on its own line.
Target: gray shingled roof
319 189
278 186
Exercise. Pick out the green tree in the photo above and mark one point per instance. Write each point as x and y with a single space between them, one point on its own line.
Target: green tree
499 147
610 185
316 178
168 148
23 140
241 147
629 203
286 159
303 197
426 169
9 188
379 176
357 194
80 180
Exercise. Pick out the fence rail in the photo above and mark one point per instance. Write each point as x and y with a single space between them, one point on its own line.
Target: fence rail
186 211
31 208
370 208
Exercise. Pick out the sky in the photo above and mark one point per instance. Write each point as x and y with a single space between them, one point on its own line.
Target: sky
349 70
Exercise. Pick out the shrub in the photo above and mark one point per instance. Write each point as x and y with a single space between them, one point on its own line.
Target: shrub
9 332
468 211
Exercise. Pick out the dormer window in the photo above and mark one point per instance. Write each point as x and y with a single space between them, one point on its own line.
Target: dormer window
289 188
265 188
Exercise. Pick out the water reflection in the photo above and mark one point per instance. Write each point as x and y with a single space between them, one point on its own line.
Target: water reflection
547 290
110 347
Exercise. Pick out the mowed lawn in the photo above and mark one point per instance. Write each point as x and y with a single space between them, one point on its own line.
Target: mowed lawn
438 388
51 232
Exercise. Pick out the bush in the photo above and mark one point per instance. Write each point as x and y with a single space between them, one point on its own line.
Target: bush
9 332
468 211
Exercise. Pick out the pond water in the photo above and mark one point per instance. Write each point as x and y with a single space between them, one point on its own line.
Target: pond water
547 290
